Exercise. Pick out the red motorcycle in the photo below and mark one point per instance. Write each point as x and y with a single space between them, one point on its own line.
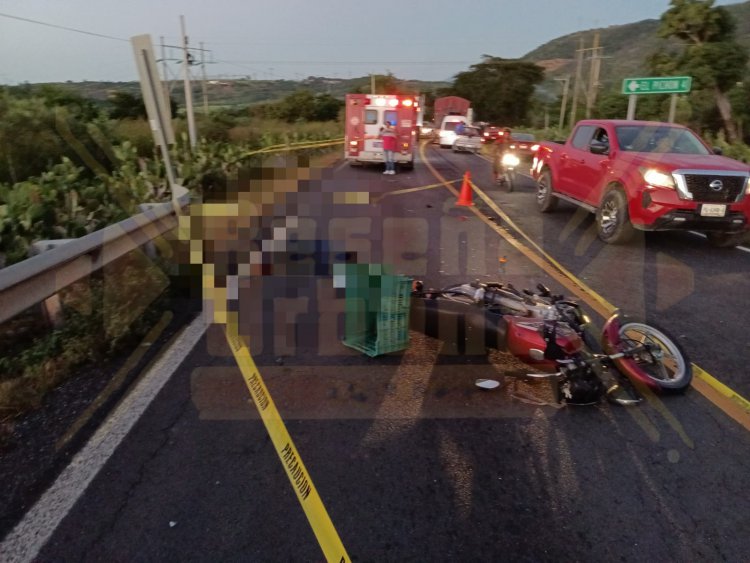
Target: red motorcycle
555 333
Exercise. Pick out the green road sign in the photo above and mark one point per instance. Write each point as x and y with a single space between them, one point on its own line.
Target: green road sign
657 85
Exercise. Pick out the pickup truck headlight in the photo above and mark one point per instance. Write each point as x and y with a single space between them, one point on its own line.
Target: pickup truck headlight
657 178
510 160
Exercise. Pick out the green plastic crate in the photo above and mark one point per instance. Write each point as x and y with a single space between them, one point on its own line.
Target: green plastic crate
377 308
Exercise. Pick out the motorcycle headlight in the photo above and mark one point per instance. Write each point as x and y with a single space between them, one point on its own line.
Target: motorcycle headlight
657 178
510 160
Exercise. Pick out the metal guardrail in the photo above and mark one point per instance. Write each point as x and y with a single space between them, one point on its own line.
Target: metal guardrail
27 283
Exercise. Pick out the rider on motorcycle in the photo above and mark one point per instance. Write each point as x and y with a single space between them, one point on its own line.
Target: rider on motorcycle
498 150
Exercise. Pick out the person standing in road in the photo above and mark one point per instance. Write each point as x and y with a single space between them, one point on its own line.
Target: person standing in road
388 136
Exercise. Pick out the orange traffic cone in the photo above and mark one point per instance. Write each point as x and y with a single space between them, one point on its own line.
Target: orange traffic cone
464 197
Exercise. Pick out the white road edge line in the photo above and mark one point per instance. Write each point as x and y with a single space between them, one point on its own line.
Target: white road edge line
25 541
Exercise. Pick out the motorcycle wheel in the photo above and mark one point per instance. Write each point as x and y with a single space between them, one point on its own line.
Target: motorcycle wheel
510 180
669 368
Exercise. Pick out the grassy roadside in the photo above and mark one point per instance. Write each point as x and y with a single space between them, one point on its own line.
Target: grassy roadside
102 316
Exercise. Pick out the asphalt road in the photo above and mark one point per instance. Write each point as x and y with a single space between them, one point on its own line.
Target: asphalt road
410 459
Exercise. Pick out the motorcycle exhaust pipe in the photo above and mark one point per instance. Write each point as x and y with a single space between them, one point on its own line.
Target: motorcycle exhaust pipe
538 355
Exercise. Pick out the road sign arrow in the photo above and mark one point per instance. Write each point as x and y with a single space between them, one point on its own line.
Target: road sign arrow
633 86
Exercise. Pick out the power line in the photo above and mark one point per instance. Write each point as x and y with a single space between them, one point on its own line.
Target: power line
63 27
94 34
351 62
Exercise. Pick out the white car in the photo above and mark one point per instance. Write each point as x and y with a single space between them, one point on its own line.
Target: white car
469 141
447 133
426 129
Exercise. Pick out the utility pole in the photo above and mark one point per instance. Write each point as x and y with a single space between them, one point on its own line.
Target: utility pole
593 76
576 84
203 81
564 104
372 84
188 86
165 80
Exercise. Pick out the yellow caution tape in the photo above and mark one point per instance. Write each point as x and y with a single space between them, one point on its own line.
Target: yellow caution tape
316 513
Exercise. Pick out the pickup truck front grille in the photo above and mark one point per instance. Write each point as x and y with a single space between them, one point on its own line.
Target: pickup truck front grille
704 187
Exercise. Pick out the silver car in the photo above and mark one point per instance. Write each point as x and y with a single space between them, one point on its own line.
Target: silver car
469 141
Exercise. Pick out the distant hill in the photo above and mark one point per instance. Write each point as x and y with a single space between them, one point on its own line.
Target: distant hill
625 48
243 92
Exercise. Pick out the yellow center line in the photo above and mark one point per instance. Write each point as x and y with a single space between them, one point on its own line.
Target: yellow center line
562 276
731 403
376 199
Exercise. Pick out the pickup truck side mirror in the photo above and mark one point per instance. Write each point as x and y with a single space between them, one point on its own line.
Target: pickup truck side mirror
717 150
599 147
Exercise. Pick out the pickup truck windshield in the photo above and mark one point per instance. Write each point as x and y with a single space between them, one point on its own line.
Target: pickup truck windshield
658 139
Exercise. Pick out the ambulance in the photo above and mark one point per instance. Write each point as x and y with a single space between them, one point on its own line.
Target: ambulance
366 114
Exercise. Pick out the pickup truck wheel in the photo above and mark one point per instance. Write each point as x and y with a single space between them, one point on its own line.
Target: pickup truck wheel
723 240
612 221
544 198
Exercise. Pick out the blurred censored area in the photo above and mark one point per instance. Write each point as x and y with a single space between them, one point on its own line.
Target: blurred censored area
272 251
268 246
265 248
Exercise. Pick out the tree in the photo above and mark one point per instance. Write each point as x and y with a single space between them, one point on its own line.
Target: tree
126 106
41 125
500 89
711 54
387 84
326 108
57 96
306 106
129 106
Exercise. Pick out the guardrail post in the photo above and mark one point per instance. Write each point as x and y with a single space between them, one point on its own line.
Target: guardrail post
149 248
52 306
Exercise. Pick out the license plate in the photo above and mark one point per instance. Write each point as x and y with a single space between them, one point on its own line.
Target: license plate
377 144
713 210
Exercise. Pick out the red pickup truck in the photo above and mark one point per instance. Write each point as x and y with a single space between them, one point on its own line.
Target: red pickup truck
645 175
